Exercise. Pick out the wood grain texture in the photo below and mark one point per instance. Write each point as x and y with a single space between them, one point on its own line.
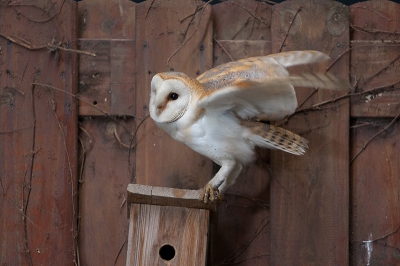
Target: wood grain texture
106 19
141 194
38 134
106 172
310 194
375 186
242 232
165 31
107 81
107 28
153 226
375 57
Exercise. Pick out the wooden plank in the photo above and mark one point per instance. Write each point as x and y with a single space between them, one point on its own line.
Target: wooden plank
38 133
166 197
153 226
107 28
106 81
242 235
309 194
375 186
107 169
375 57
169 38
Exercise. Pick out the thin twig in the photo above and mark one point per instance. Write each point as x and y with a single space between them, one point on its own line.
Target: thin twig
259 202
39 21
376 12
374 136
317 106
248 11
119 139
290 25
148 10
194 13
28 184
370 91
15 205
381 70
77 96
53 107
119 251
129 152
373 31
187 40
26 44
358 46
223 49
388 234
233 256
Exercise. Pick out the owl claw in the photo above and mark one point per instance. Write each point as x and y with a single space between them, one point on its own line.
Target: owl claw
210 194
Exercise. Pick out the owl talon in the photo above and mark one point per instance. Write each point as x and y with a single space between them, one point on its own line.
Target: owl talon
210 194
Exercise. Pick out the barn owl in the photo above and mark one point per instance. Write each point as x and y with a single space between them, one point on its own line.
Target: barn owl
218 113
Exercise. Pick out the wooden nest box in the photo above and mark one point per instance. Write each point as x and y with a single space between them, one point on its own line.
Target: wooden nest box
167 226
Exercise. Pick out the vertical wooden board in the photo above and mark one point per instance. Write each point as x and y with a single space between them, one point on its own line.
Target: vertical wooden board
243 220
38 133
185 229
375 57
107 170
309 194
375 201
167 39
107 28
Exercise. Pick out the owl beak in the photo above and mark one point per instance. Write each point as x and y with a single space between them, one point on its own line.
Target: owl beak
160 109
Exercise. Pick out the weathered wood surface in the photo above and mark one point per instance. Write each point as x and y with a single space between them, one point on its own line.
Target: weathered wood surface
152 226
310 194
38 133
107 81
375 58
243 220
169 38
106 170
141 194
375 189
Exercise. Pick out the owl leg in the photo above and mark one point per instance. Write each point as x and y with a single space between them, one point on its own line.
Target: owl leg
211 190
231 179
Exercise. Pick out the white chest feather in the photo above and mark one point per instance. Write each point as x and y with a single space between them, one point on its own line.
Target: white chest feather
217 136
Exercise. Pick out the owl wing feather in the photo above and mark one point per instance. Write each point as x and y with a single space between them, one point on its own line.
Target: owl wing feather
269 99
257 68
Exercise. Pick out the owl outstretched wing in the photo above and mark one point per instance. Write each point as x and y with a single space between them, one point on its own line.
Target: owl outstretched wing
257 68
261 86
269 99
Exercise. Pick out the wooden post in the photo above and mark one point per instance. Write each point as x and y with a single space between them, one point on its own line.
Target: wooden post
167 226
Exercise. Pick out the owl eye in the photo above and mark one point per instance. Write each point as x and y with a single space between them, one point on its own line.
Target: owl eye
173 96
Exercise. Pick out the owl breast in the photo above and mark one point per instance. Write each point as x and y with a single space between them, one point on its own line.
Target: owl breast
217 136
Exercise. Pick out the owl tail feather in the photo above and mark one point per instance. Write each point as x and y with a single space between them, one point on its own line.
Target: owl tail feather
271 137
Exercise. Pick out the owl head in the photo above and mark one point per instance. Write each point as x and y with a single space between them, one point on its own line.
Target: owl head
169 97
